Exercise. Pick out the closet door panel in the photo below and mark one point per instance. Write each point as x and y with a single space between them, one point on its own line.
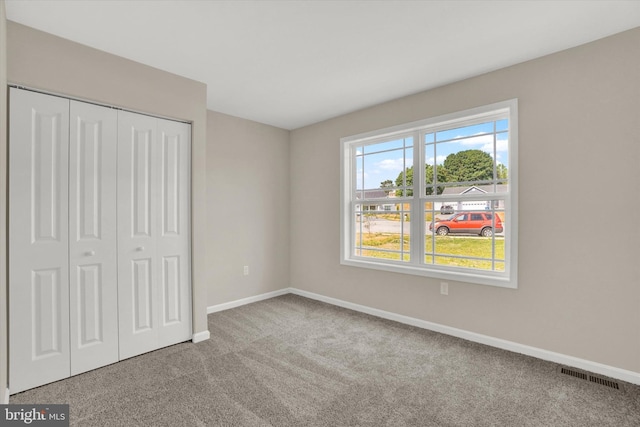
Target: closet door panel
38 239
93 239
137 202
174 235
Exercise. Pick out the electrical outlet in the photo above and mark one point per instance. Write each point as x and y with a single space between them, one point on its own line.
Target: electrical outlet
246 270
444 288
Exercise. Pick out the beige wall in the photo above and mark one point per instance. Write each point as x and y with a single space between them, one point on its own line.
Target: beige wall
40 60
579 142
248 206
3 204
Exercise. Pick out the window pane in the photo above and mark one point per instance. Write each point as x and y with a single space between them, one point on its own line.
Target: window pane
475 217
464 262
502 157
381 173
359 174
458 235
383 234
464 132
429 138
389 145
468 155
404 180
382 167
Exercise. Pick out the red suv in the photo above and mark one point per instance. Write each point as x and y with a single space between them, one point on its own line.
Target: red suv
468 222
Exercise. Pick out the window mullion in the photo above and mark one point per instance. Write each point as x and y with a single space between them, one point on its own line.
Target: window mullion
417 213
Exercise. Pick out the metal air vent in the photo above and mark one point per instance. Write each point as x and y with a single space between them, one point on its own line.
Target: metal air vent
590 377
573 373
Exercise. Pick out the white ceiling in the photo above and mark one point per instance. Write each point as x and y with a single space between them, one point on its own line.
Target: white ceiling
293 63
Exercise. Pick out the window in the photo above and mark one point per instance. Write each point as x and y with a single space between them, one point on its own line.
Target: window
435 198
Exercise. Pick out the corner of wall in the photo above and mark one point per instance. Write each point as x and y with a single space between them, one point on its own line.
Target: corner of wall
4 365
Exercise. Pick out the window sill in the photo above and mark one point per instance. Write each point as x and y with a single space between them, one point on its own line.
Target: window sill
457 276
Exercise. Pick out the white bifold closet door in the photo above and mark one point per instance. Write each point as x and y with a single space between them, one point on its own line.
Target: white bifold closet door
153 233
99 236
38 240
93 269
62 238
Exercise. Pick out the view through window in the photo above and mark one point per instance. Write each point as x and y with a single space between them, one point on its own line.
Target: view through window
435 197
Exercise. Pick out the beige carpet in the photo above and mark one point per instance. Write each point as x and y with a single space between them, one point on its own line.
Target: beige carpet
291 361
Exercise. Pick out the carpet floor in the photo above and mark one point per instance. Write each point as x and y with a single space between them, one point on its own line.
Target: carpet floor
292 361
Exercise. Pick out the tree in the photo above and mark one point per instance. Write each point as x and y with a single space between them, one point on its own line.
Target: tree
442 177
428 175
469 165
503 172
387 183
463 166
400 182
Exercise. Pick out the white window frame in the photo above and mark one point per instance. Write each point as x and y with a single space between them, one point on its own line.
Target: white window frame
417 265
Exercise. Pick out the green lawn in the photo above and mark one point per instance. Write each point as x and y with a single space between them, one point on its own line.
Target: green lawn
387 241
470 246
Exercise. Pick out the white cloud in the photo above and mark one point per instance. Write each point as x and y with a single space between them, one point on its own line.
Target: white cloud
486 141
502 145
478 140
391 164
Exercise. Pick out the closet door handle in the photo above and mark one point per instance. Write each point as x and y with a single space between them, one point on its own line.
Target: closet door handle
140 248
90 253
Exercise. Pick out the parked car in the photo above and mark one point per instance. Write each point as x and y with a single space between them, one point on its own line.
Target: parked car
481 223
446 210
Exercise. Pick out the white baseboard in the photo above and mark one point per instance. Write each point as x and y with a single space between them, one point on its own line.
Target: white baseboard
244 301
200 336
562 359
